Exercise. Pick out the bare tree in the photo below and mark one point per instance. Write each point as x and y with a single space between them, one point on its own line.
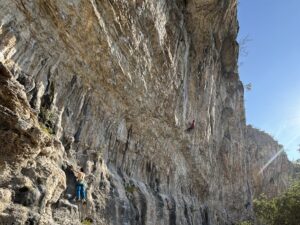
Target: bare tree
243 43
243 48
248 86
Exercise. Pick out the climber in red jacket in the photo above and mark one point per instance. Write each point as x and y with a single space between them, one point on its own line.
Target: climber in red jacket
191 127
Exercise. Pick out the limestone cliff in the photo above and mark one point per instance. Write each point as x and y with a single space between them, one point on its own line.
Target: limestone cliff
30 177
271 170
111 86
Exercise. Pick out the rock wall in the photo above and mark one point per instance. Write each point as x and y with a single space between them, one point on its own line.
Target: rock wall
271 170
30 178
111 86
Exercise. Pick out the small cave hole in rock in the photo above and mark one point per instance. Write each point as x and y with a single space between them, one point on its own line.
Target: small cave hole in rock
25 196
23 189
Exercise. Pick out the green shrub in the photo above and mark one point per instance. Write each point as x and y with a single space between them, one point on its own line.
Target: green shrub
86 222
47 120
282 210
45 129
130 188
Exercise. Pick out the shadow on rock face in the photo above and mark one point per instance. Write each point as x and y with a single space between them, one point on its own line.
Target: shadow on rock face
31 221
70 192
26 196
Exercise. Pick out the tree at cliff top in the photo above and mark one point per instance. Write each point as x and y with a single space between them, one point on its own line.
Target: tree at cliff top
281 210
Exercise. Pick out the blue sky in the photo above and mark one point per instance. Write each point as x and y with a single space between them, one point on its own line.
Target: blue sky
272 65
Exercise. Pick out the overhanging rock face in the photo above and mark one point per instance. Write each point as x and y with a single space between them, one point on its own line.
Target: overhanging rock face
111 86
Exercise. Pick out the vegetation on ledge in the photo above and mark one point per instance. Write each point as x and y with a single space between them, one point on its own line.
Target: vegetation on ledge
281 210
